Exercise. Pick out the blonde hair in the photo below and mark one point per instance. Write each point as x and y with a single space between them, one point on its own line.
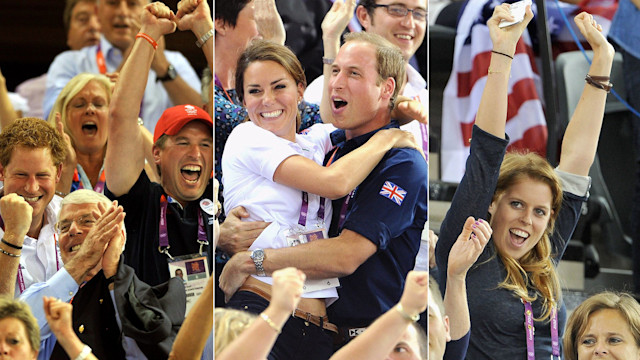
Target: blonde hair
579 319
73 87
228 325
535 267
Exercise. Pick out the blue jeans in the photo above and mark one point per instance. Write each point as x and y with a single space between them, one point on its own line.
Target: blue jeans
298 340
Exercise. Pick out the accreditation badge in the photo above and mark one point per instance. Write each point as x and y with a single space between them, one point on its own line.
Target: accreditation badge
301 235
193 270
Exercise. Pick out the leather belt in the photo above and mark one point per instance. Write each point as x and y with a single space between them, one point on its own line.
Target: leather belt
320 321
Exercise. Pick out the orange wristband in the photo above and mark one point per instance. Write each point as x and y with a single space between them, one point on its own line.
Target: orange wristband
149 39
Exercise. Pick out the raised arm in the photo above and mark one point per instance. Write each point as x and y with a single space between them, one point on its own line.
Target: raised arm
492 112
333 24
269 22
7 112
262 334
195 15
125 157
59 317
382 336
338 179
16 214
192 337
581 137
464 253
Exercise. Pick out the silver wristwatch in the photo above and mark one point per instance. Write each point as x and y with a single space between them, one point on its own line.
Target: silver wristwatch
257 256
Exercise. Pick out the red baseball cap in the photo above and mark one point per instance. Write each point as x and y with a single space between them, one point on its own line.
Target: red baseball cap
174 118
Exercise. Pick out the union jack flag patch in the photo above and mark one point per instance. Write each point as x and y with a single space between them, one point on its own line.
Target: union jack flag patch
393 192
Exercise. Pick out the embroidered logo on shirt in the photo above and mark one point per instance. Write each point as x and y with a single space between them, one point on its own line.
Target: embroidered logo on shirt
393 192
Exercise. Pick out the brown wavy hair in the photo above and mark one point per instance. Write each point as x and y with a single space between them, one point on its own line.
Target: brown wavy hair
31 133
535 267
265 50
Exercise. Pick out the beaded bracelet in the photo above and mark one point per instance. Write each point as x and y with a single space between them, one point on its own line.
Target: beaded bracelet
8 253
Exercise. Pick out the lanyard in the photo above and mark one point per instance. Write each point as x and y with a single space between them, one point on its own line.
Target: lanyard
530 330
219 83
424 130
347 199
21 285
77 184
102 65
163 235
304 208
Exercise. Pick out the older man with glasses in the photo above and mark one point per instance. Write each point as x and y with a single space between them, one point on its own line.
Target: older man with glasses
103 290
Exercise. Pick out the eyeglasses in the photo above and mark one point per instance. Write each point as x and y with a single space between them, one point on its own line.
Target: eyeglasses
401 11
84 222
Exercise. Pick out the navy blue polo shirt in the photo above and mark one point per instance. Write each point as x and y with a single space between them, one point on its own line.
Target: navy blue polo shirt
390 209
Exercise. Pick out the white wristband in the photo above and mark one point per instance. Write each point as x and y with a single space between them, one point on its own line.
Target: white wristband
86 350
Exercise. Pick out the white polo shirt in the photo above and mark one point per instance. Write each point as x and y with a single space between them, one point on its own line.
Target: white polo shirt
250 159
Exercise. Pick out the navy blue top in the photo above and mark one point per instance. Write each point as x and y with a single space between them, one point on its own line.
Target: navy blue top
457 349
497 315
377 284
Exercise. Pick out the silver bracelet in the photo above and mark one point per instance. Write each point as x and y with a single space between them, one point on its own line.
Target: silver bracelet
8 253
86 350
203 39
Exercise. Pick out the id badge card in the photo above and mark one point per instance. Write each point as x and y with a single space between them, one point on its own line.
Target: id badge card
193 270
298 236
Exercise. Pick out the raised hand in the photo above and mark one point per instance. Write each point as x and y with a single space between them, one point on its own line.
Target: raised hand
16 213
58 316
468 246
414 296
268 21
337 18
193 14
592 31
505 39
111 257
287 289
157 20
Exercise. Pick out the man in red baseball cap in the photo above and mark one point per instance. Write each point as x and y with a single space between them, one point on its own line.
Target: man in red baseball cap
169 223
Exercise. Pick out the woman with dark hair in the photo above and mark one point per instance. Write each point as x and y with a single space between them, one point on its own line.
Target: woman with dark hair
277 175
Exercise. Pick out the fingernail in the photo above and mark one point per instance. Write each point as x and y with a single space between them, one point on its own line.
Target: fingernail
473 226
473 235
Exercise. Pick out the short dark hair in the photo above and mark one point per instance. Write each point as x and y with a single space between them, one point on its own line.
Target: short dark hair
68 9
369 5
228 10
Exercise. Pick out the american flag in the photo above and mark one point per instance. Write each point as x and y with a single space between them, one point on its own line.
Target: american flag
526 124
393 192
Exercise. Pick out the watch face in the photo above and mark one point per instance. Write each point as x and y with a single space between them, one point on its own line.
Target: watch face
257 255
171 72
